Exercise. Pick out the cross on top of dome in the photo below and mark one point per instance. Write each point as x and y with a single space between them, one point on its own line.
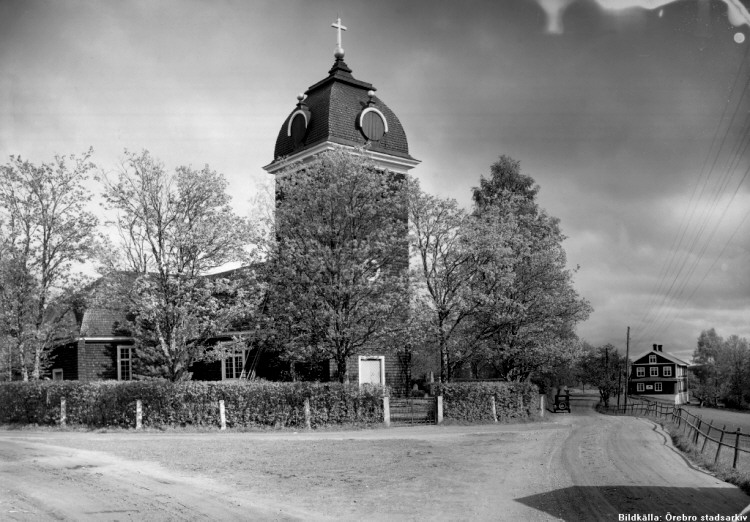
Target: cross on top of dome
339 52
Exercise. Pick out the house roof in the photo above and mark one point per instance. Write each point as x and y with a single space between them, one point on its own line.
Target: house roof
103 322
335 104
106 314
665 355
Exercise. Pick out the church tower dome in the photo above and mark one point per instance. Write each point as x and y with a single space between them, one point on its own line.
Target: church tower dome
340 110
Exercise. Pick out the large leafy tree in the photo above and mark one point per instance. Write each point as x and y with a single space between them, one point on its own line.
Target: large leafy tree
175 228
454 251
45 228
530 323
338 270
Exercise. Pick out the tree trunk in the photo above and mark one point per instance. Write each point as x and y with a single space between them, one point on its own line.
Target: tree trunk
36 373
341 368
22 360
444 358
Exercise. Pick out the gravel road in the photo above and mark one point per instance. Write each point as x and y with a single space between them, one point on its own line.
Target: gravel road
579 466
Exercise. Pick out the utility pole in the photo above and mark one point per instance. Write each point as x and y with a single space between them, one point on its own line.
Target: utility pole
619 383
627 366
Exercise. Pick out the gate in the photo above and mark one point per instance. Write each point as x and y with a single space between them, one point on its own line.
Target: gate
410 411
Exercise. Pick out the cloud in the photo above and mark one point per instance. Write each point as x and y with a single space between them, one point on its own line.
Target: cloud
554 10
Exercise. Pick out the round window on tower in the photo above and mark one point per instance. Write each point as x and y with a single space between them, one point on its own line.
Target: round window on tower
373 124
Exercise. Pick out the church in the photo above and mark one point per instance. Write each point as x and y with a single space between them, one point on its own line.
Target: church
337 111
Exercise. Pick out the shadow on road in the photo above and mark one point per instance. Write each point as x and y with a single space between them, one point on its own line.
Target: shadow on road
599 502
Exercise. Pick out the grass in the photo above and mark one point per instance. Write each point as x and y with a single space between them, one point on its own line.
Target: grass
704 455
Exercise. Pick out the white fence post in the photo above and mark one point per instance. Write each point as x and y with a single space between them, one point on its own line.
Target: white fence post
138 414
386 411
494 408
308 424
63 415
439 409
222 415
542 405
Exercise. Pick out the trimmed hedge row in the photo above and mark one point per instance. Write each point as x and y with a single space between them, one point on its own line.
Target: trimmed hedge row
191 403
470 401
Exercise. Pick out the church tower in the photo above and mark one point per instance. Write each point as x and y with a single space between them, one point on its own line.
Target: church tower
340 110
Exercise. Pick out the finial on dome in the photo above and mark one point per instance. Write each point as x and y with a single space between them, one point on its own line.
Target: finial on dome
339 52
371 94
301 99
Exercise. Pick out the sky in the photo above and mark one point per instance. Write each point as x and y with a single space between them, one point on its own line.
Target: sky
633 116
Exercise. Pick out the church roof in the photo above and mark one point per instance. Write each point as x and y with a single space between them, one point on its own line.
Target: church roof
335 104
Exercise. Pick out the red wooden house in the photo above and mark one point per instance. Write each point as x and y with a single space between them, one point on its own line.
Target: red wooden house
660 374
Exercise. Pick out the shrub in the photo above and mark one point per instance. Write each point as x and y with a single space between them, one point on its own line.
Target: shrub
191 403
470 401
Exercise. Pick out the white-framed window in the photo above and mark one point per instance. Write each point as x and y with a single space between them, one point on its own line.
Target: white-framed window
57 374
234 363
657 386
371 369
667 371
640 371
640 387
652 359
124 363
654 371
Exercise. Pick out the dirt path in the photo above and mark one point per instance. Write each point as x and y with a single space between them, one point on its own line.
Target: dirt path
582 466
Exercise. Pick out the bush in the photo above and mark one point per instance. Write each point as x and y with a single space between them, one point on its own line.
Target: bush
470 401
192 403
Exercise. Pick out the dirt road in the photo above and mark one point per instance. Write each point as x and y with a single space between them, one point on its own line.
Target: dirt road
582 466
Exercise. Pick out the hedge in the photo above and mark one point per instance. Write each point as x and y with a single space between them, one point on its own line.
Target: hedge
191 403
470 401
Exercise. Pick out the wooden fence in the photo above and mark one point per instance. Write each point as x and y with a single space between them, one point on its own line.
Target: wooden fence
703 435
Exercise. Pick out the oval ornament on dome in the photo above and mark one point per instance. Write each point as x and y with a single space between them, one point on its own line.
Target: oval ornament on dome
299 121
372 123
299 129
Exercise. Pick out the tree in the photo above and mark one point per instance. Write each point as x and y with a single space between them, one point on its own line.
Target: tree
722 369
530 323
44 229
175 229
602 367
452 249
338 271
706 357
733 369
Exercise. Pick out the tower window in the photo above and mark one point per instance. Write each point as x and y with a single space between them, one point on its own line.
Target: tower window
297 127
373 124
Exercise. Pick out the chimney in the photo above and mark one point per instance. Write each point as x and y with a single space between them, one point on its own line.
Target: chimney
660 347
656 349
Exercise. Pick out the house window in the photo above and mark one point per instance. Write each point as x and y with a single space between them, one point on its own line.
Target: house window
640 387
667 371
234 363
57 374
640 371
652 359
657 386
654 371
124 363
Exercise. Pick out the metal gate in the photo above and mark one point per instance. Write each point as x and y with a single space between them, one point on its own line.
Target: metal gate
413 411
